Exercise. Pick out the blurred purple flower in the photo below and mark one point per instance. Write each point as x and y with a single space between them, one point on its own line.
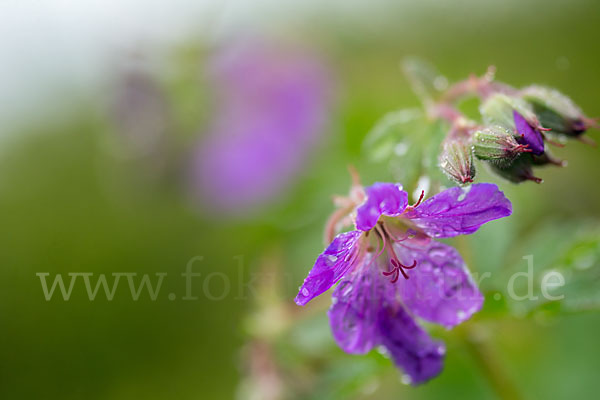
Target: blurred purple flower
371 305
273 106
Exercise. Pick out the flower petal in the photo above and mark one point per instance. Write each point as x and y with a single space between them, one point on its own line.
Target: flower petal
529 135
330 266
271 110
411 348
460 211
366 312
382 199
440 288
356 303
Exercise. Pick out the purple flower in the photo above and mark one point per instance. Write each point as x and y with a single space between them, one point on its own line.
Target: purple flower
273 106
372 306
529 136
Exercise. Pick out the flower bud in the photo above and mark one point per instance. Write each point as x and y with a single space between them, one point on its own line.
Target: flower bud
456 160
515 114
497 144
499 109
556 111
520 170
546 159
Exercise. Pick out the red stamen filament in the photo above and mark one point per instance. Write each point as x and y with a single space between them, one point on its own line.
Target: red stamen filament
420 199
591 122
377 253
586 140
523 148
534 178
395 272
398 267
553 142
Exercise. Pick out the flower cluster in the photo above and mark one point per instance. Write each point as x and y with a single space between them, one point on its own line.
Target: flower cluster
517 126
391 271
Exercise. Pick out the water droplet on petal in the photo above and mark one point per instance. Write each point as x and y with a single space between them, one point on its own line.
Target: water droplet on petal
464 191
332 258
438 254
461 315
347 290
305 292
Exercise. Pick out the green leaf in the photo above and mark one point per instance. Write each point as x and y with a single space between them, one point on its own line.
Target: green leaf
564 274
410 144
386 139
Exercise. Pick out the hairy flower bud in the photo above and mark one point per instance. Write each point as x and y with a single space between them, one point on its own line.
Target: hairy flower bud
520 170
499 109
555 110
497 144
456 160
514 114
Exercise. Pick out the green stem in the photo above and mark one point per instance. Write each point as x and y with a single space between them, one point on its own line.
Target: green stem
476 86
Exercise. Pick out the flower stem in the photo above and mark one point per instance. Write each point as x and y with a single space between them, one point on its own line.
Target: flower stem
478 86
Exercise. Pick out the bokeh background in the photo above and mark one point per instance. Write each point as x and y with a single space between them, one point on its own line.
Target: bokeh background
106 108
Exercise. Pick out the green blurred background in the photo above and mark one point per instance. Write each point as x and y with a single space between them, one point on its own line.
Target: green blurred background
70 201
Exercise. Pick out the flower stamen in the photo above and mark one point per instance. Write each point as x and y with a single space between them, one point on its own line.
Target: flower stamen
553 142
420 199
522 148
410 208
397 267
392 237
